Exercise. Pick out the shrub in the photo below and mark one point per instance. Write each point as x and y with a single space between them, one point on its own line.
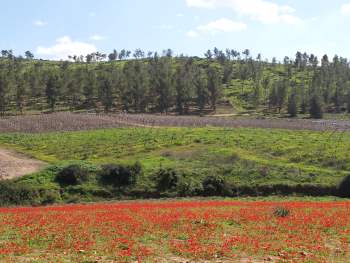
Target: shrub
103 193
281 212
75 199
12 193
50 197
87 191
286 189
136 168
343 188
188 187
166 179
264 171
120 175
216 186
72 175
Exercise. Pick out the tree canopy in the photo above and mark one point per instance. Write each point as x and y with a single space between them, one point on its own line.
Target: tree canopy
143 82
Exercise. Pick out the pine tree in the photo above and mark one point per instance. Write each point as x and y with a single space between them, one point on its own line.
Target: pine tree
273 97
89 88
316 111
52 90
3 94
348 102
281 93
105 92
162 79
184 85
214 84
201 83
20 85
292 106
137 84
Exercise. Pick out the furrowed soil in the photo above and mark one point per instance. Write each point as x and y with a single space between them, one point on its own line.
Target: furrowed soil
65 121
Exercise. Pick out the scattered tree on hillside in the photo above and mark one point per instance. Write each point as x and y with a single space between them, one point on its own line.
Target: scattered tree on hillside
29 55
201 82
105 93
52 90
316 111
214 77
292 106
149 82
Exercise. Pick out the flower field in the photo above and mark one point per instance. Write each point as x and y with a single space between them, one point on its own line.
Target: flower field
178 231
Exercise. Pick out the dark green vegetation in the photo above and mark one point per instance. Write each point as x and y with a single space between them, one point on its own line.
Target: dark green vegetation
343 188
169 162
281 212
163 83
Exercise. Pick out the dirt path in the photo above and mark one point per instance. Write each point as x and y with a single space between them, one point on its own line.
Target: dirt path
14 164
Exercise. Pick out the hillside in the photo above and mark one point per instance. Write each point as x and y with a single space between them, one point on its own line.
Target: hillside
241 161
223 82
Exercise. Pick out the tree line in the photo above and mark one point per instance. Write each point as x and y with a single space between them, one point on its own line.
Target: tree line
143 82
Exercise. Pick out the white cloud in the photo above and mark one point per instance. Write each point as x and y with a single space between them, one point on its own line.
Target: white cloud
223 24
65 47
345 9
259 10
220 25
39 23
192 34
180 15
97 37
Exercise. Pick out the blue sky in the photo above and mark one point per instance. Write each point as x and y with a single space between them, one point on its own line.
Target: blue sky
53 29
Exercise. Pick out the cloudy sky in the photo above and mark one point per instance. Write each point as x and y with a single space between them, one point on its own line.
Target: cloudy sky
56 29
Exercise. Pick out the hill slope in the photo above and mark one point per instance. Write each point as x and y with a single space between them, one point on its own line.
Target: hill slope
245 158
182 85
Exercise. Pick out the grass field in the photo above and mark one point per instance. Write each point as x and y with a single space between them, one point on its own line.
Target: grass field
181 231
245 157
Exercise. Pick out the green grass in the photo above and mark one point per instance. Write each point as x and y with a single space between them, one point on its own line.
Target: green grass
243 156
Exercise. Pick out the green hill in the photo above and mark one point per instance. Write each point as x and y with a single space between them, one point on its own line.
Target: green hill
249 161
223 82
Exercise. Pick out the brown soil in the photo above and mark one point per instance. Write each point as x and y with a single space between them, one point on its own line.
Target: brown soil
14 164
66 121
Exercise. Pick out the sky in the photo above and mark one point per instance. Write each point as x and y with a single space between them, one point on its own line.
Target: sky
54 29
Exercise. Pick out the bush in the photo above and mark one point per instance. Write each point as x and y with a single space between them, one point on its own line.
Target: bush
216 186
12 193
87 191
343 188
281 212
75 199
49 197
72 175
187 186
120 175
166 179
103 193
285 190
